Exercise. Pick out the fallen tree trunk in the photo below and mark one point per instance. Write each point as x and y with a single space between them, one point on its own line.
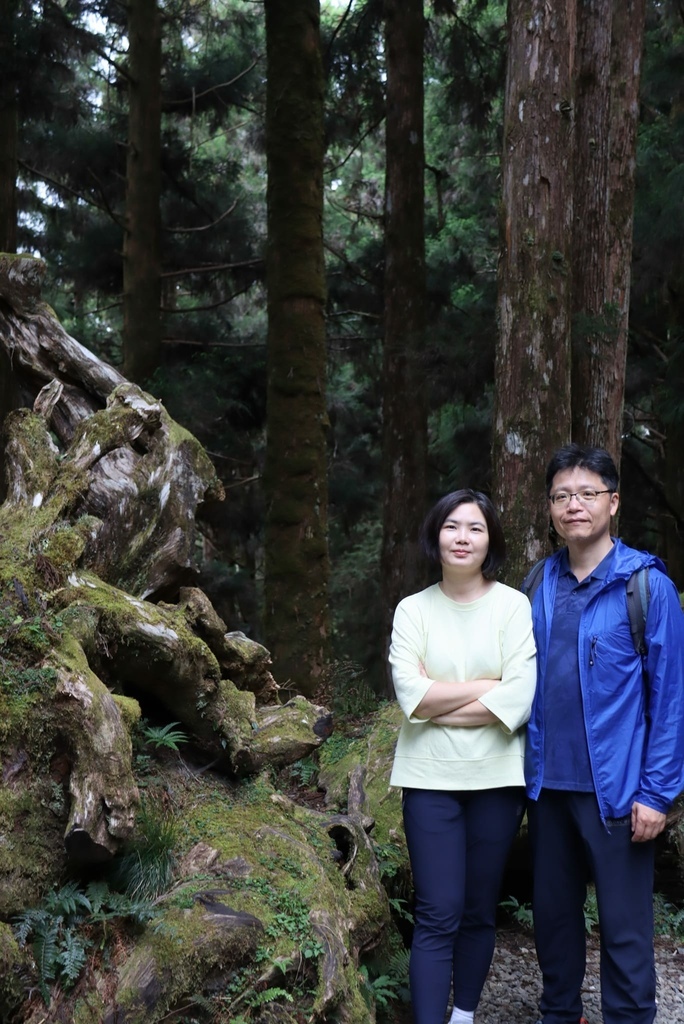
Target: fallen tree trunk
99 616
97 540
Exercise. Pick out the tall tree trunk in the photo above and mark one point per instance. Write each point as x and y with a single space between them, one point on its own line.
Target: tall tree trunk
8 179
593 321
610 38
674 417
532 368
142 236
673 516
8 129
296 575
629 20
404 401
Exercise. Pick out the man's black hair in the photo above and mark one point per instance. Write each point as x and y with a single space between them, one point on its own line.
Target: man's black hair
438 514
583 456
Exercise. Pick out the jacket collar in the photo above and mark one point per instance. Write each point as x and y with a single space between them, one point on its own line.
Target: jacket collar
624 561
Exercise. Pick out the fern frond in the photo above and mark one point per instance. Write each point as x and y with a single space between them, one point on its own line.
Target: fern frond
98 894
45 953
269 995
72 957
398 965
67 900
164 735
28 922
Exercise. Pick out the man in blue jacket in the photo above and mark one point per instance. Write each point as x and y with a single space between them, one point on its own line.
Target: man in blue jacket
605 746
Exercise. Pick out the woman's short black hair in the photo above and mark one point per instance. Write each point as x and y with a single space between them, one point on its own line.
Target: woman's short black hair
438 514
584 456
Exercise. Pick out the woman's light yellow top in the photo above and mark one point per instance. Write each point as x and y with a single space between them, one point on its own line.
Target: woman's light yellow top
490 638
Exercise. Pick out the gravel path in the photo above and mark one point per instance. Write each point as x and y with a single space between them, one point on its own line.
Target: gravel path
511 995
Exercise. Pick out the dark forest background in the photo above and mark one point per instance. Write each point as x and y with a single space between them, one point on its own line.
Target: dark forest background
139 146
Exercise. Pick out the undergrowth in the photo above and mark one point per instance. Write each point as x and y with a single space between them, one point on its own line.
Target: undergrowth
668 917
68 923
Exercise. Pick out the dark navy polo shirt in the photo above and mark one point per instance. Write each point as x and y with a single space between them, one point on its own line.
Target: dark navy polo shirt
566 755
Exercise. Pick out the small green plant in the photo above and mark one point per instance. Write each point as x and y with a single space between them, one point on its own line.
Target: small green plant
399 907
669 919
163 736
254 1000
381 990
591 917
291 918
351 692
304 772
145 869
390 859
520 912
336 747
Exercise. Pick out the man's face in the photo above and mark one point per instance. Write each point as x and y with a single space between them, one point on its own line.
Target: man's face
578 522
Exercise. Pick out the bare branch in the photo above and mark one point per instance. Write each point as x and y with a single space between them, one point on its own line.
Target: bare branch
204 227
214 88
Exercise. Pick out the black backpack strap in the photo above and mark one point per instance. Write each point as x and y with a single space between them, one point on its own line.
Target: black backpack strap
530 584
638 597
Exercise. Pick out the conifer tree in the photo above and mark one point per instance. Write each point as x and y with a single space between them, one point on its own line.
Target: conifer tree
296 580
142 224
404 445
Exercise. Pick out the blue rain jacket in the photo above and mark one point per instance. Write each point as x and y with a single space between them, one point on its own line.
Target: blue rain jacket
634 721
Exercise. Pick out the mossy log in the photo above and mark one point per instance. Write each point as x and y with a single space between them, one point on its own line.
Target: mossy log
99 615
98 532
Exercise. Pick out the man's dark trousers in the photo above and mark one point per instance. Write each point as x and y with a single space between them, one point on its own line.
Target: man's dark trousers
570 845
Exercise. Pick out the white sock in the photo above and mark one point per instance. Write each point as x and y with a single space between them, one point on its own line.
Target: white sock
461 1016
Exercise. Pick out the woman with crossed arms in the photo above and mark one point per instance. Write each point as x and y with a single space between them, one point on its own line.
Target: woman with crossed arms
463 664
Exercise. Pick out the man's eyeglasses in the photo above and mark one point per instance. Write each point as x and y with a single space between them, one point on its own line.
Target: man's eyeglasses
587 496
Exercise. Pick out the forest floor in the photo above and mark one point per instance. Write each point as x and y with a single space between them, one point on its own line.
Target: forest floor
511 995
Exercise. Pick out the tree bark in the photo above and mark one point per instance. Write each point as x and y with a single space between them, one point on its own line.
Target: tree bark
593 321
674 420
610 38
9 128
532 368
404 442
295 481
142 234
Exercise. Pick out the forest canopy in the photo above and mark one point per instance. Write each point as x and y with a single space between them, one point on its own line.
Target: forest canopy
192 326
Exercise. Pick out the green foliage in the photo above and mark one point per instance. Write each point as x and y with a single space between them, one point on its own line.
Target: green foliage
390 859
163 736
304 772
336 748
269 995
290 918
273 862
520 912
399 907
669 918
351 692
381 989
63 928
28 680
145 869
254 1000
591 918
29 636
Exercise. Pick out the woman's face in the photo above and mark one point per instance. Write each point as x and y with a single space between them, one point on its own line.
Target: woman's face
464 538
